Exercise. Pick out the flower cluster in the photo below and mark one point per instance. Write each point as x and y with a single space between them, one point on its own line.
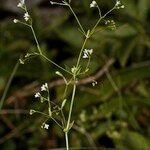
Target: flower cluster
93 4
118 5
87 53
111 24
44 87
26 16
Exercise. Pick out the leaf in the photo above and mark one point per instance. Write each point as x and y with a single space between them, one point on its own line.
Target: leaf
143 9
134 141
125 53
63 103
71 125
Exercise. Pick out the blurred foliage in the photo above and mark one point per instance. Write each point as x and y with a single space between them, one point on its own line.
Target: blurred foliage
113 118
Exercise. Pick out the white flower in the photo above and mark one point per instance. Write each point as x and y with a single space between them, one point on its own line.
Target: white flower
26 16
87 53
37 95
122 6
15 20
32 112
94 83
90 51
74 69
21 4
44 87
93 4
118 5
44 126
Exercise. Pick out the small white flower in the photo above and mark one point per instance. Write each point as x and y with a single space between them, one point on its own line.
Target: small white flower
87 53
44 126
93 4
122 6
118 5
26 16
90 51
21 4
51 2
74 69
94 83
32 112
44 87
15 21
37 95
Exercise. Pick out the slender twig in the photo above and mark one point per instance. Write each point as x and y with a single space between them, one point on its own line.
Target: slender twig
77 19
71 106
8 84
38 46
80 54
67 142
55 64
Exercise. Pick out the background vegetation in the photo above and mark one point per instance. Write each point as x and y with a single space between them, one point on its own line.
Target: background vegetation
113 114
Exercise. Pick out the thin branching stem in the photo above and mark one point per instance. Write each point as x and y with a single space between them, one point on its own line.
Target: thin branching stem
49 60
67 142
71 104
81 51
38 46
56 122
77 19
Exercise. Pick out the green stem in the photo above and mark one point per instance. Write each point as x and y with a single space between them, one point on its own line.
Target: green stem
99 20
88 63
71 105
49 104
80 54
77 19
67 143
42 113
66 88
8 84
55 64
38 46
93 29
64 119
56 122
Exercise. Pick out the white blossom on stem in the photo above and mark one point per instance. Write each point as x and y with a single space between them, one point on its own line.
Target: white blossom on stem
21 3
44 87
93 4
26 16
44 126
15 21
37 95
87 53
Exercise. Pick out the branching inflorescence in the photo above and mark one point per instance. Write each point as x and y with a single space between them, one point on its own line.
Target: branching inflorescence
54 110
